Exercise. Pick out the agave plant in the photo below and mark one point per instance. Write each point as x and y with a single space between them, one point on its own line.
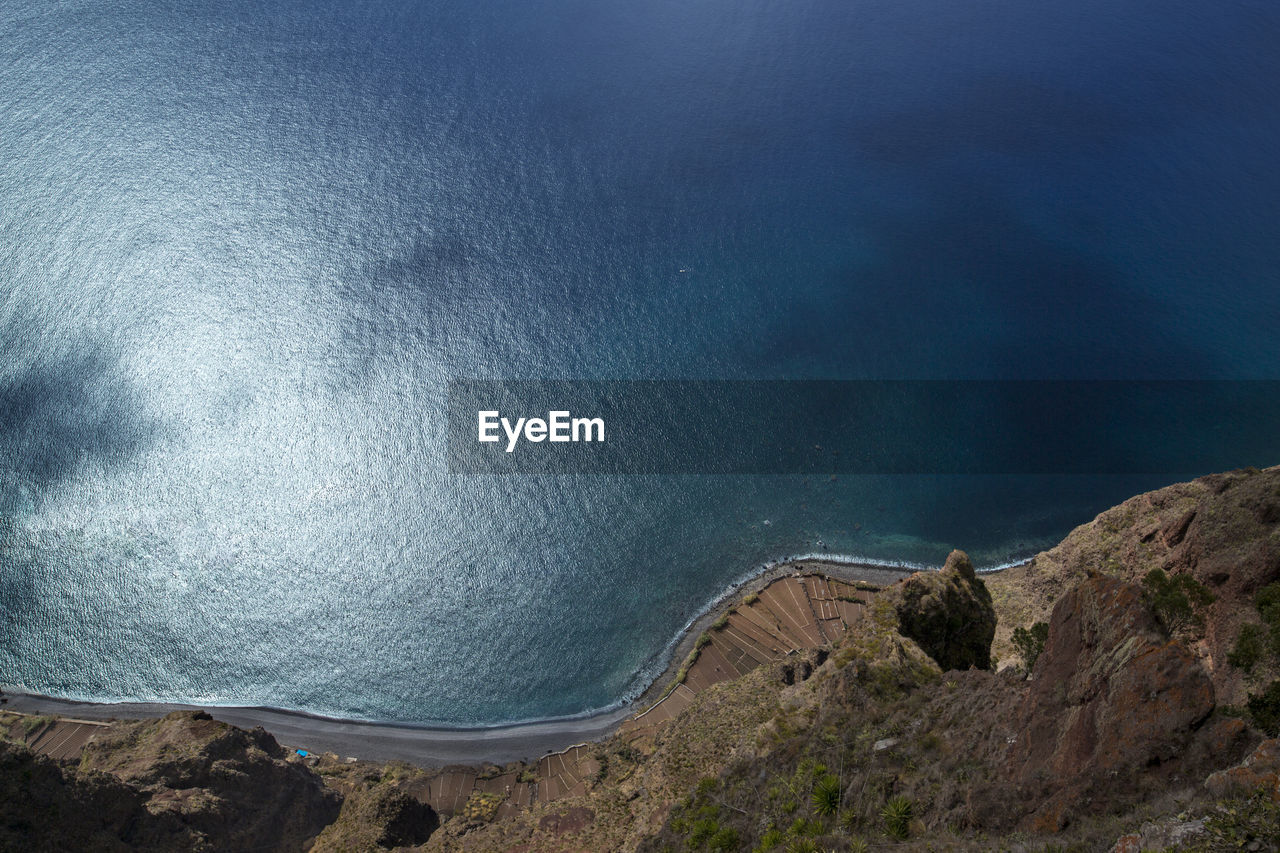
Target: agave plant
826 796
897 815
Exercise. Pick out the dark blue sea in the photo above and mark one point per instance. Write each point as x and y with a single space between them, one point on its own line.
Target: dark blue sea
245 246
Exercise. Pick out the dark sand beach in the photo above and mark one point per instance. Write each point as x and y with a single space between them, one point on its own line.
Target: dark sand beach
439 747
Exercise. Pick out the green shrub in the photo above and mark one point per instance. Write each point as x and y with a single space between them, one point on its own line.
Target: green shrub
703 831
704 639
1242 824
804 828
826 796
771 839
1268 602
724 841
1176 599
1248 647
897 814
1265 709
31 724
1031 643
715 837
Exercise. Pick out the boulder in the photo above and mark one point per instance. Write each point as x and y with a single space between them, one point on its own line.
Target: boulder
1259 772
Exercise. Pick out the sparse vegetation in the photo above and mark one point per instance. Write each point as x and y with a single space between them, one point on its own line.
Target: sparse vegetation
1248 648
1176 600
31 725
1030 643
698 819
1264 708
1268 604
1242 824
771 839
481 806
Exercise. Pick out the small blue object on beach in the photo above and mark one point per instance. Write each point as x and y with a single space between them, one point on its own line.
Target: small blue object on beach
302 752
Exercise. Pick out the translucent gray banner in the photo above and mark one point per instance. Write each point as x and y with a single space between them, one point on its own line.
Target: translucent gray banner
861 427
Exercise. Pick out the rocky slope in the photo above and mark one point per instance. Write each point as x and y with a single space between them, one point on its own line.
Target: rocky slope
184 782
1223 530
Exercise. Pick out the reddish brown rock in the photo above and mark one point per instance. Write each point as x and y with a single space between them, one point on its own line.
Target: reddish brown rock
1223 530
1259 771
1112 699
1128 844
1110 692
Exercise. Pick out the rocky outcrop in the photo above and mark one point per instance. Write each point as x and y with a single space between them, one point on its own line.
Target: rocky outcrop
231 788
1260 771
1114 708
379 818
46 808
1109 690
1170 833
948 613
1223 530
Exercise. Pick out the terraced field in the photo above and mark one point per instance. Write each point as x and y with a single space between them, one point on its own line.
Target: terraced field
60 739
789 615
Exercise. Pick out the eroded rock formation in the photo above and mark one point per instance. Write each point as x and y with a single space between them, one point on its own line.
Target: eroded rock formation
948 613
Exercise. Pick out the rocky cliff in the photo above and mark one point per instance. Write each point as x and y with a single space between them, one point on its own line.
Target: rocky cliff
183 782
1222 530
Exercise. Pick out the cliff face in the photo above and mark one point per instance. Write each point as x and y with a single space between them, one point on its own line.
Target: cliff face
1116 712
184 782
231 788
378 818
1132 705
42 808
1222 530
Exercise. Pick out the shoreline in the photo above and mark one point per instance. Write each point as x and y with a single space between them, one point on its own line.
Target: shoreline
438 747
682 644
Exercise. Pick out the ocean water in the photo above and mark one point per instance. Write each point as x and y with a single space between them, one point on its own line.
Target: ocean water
244 247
